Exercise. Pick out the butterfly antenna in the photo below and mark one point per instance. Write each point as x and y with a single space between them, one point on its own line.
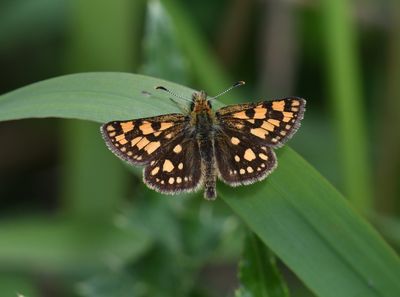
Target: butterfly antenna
235 85
172 93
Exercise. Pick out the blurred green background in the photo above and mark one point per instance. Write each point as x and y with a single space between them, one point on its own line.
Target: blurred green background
75 221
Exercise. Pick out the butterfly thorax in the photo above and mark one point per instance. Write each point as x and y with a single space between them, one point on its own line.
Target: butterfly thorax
202 117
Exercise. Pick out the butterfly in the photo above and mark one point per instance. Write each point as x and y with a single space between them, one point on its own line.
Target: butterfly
184 152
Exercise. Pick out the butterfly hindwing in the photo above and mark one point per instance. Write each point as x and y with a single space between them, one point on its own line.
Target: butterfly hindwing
140 141
178 169
242 161
269 122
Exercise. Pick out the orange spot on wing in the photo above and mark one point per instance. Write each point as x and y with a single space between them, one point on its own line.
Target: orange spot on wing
268 126
288 114
155 170
274 122
260 113
240 115
177 149
235 140
146 128
127 126
150 148
259 132
168 166
278 105
142 143
119 137
136 140
166 125
249 155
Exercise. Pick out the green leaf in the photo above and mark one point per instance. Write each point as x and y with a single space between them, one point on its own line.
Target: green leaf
296 212
258 274
98 97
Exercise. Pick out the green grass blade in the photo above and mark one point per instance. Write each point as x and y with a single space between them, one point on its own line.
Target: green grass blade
258 274
296 212
347 101
160 37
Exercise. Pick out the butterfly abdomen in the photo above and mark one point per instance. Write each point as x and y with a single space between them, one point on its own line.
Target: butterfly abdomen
206 147
204 128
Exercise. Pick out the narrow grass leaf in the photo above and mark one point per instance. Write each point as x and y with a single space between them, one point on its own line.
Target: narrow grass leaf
258 274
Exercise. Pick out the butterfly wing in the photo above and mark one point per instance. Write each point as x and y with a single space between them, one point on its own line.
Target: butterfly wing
140 141
178 169
242 161
247 133
166 144
270 123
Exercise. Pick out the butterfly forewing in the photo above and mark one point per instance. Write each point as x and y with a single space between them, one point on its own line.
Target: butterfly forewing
140 141
270 123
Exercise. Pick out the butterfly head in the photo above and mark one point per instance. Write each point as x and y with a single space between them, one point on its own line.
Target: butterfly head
200 103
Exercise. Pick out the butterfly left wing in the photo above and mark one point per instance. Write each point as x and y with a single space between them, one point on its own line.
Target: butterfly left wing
240 160
140 141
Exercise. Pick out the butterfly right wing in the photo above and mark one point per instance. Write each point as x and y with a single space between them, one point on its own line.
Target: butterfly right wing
140 141
164 144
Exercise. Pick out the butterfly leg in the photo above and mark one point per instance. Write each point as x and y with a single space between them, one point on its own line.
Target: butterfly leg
209 173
